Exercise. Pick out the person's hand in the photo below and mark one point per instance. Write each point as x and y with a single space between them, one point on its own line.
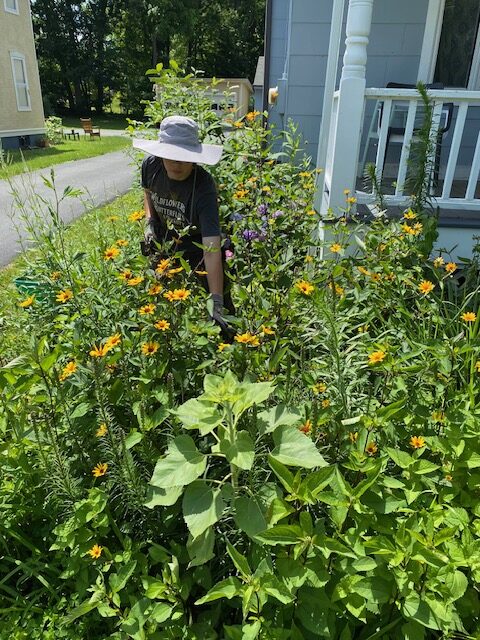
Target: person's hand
149 235
217 317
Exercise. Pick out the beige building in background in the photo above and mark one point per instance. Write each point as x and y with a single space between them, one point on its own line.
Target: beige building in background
21 108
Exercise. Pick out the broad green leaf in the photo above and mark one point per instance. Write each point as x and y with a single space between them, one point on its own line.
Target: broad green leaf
182 465
285 476
133 438
401 458
161 612
248 516
418 609
154 588
251 631
133 625
281 534
318 480
240 452
373 589
157 497
117 581
84 608
202 507
227 588
200 549
278 510
275 417
80 410
198 414
220 390
313 611
272 585
252 393
424 466
371 478
295 449
365 564
330 545
239 561
392 409
457 583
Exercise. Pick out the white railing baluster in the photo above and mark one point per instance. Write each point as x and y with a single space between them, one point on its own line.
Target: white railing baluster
402 169
382 138
454 149
474 171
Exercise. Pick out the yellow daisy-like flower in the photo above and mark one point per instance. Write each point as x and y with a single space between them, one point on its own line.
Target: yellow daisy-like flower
320 387
238 124
222 346
335 247
133 282
438 262
309 258
338 289
200 272
95 552
102 430
176 294
147 309
162 266
409 215
266 189
111 253
248 339
98 352
162 325
450 267
304 287
173 272
408 229
64 296
351 200
251 115
311 212
469 316
426 287
364 271
55 275
112 341
125 275
240 194
150 348
268 331
477 366
155 289
100 469
306 427
353 436
122 243
417 442
376 356
305 174
376 277
325 403
113 218
136 215
27 302
68 370
371 448
417 228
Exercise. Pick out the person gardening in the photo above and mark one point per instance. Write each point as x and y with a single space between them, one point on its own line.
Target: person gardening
180 201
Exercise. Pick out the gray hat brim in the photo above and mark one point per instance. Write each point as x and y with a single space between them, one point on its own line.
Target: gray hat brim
206 154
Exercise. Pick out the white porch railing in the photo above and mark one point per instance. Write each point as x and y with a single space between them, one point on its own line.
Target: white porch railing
388 101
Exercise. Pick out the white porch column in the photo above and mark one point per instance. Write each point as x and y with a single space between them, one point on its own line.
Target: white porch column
341 165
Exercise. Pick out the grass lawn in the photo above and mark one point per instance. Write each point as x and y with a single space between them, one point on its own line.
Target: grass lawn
104 121
65 151
80 235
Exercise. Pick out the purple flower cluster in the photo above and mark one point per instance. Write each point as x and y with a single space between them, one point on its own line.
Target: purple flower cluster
262 209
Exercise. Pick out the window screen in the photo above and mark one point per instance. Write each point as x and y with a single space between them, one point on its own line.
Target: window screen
11 5
21 83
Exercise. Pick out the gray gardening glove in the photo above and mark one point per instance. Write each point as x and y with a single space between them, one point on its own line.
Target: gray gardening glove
148 244
217 317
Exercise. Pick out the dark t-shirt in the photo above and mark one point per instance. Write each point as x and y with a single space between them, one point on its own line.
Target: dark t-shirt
188 203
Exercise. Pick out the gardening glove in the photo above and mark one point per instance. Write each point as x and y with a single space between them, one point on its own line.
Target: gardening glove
217 317
148 244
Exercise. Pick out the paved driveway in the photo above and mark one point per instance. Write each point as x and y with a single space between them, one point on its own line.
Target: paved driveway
102 179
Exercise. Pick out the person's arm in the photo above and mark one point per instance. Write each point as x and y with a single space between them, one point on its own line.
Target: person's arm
147 204
212 257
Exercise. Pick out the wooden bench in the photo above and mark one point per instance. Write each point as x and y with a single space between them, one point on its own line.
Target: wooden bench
89 129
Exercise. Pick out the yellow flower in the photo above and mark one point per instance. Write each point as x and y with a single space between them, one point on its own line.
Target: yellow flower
325 403
112 341
172 272
346 192
304 287
112 218
305 174
98 352
306 427
376 277
425 287
477 366
55 275
335 247
102 430
136 215
417 228
147 309
351 200
162 325
126 275
222 346
469 316
409 215
450 267
408 229
267 331
155 289
251 115
111 253
248 338
438 416
149 348
122 243
238 124
371 448
241 193
438 262
417 442
68 370
199 272
364 271
95 552
353 436
27 302
134 281
100 469
64 296
311 212
376 356
309 258
162 266
176 294
338 289
320 387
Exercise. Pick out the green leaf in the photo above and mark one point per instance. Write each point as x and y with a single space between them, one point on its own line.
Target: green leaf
424 466
275 417
457 583
84 608
202 507
200 549
272 585
392 409
161 612
277 510
252 393
80 410
239 560
281 534
373 589
248 516
240 452
227 588
157 497
330 545
133 438
283 474
251 631
419 610
117 581
295 449
182 465
133 625
198 414
154 588
401 458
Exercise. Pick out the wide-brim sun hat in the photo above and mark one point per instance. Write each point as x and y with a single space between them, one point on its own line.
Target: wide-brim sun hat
178 140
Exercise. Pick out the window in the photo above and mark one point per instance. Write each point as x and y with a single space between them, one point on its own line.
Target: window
457 50
19 71
11 6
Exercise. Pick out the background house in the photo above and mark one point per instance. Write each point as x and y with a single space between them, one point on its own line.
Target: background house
21 108
337 95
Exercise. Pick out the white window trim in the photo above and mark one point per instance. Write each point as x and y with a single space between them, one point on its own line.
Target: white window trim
431 42
8 10
14 55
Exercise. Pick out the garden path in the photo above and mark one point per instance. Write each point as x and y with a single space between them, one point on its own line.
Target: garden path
102 178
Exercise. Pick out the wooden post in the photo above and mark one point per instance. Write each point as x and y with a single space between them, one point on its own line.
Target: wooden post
341 165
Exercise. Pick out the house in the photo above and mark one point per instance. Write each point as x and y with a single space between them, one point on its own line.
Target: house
331 62
21 108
